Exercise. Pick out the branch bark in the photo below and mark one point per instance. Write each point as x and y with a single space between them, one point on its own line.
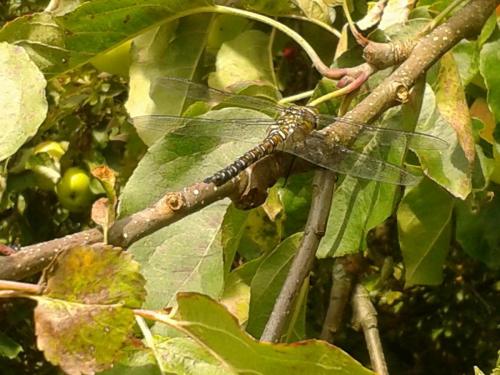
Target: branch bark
365 316
340 292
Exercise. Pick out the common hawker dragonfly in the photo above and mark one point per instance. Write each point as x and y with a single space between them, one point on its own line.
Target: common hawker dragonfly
293 129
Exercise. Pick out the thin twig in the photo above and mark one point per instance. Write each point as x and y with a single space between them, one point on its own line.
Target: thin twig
365 315
296 97
339 296
150 342
323 185
24 288
321 24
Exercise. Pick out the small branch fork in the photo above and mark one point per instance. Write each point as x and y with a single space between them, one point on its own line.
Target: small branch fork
466 22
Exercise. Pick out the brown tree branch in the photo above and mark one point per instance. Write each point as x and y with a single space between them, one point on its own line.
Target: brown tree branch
339 296
245 191
465 23
323 185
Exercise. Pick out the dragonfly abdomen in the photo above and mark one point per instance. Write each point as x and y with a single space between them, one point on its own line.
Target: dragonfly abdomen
275 137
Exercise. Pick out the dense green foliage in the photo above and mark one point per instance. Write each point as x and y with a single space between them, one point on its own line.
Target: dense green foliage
431 252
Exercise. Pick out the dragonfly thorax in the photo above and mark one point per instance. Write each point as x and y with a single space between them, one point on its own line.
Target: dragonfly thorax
297 116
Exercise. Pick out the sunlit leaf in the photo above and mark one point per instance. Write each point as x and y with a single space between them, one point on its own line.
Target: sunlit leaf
450 168
316 9
182 355
185 256
162 52
424 226
245 61
22 98
236 297
216 330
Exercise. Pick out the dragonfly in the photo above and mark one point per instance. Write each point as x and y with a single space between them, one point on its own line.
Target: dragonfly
293 129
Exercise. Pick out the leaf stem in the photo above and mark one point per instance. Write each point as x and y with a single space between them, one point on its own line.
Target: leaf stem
150 342
316 22
320 66
329 96
25 288
294 98
446 11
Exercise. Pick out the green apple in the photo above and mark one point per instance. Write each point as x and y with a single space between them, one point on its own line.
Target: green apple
74 191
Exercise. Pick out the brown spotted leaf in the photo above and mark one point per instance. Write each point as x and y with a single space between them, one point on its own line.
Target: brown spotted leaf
84 315
82 339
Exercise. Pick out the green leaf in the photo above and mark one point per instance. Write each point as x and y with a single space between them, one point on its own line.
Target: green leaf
44 40
57 44
185 256
466 55
274 8
225 28
295 196
84 316
162 52
236 296
8 347
267 283
214 328
182 355
477 223
489 60
450 168
137 360
424 225
23 106
315 9
245 61
176 161
249 232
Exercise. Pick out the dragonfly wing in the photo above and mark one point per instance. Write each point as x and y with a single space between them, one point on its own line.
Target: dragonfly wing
250 130
386 136
178 87
317 150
